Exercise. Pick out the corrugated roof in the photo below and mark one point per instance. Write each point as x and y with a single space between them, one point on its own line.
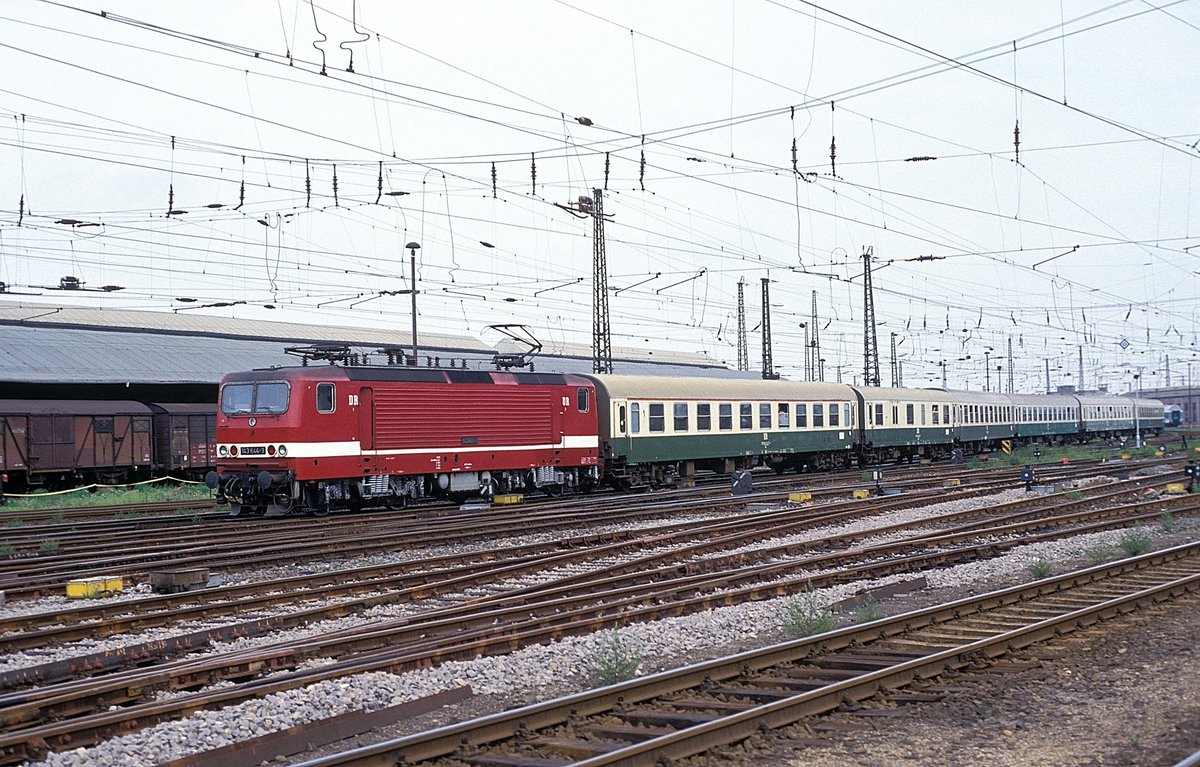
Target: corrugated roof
88 346
188 322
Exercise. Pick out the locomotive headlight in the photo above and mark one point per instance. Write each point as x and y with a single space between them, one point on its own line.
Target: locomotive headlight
223 451
282 451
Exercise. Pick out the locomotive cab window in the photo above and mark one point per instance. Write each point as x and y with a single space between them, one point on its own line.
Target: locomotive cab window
244 398
581 400
325 398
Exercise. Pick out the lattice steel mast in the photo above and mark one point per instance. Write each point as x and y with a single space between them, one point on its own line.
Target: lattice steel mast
870 342
601 329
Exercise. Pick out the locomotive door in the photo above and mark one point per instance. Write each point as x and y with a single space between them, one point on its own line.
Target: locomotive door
366 419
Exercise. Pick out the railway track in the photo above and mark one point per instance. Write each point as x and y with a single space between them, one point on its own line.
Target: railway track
688 711
645 588
132 548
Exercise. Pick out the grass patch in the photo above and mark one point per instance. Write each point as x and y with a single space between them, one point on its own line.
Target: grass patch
869 610
1041 568
1166 522
615 660
49 545
1135 541
1073 495
806 614
109 496
7 549
1099 553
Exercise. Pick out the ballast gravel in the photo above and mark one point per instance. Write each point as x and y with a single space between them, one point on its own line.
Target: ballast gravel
548 670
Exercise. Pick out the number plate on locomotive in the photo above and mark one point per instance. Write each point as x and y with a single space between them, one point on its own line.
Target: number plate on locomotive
256 450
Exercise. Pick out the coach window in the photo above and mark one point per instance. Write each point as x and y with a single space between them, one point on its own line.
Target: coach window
635 417
703 416
784 416
658 419
936 416
847 414
325 398
681 416
818 415
725 416
764 415
922 413
833 414
581 400
801 415
745 416
909 414
879 414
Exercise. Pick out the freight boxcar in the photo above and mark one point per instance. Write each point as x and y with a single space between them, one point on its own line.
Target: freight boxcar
59 443
184 438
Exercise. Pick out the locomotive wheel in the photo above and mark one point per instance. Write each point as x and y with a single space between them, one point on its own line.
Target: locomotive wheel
554 491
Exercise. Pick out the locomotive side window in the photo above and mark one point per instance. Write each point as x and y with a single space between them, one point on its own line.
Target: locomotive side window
745 416
681 416
818 415
581 400
658 419
325 398
635 417
801 415
703 416
725 414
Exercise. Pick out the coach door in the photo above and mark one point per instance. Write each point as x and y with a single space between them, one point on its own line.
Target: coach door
366 418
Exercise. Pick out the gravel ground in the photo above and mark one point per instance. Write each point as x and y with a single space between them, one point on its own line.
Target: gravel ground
542 672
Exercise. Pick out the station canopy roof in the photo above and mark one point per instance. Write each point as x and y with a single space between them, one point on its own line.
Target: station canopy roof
41 343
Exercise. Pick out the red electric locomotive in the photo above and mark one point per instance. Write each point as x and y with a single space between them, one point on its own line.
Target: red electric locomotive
316 439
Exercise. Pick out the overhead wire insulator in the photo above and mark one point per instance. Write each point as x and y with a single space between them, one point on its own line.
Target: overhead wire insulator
642 167
533 172
307 186
1017 142
493 179
21 210
379 189
335 193
607 158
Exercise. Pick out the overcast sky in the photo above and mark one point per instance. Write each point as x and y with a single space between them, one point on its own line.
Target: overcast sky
469 127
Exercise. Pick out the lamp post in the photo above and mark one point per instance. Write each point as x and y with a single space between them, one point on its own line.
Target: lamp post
413 247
